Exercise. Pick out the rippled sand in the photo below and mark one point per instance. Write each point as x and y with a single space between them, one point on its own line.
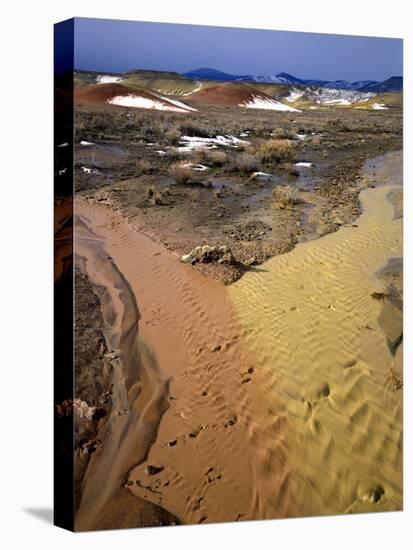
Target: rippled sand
276 385
310 321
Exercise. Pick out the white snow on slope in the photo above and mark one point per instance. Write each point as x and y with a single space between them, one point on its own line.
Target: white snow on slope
108 79
194 142
294 95
271 104
379 106
140 102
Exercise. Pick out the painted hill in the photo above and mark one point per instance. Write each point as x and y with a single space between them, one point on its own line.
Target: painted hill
234 94
123 96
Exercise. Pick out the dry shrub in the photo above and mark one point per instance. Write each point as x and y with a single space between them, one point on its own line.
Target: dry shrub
291 169
213 158
284 196
157 198
142 166
282 133
151 191
192 128
180 172
245 163
194 195
276 150
316 140
172 136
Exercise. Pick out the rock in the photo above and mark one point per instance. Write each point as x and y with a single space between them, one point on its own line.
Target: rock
209 254
153 470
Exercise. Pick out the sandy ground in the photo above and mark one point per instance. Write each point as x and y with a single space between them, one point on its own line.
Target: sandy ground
268 398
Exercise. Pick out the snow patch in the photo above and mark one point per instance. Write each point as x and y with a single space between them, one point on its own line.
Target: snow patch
108 79
188 143
304 164
301 137
196 167
86 143
265 175
91 171
294 95
266 103
379 106
139 102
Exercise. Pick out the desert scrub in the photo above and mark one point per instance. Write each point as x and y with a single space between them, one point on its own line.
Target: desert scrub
213 158
180 172
282 133
291 169
274 151
284 196
194 129
244 163
172 136
142 167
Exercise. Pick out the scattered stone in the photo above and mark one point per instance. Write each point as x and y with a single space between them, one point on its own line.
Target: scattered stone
378 295
153 470
209 254
231 421
173 443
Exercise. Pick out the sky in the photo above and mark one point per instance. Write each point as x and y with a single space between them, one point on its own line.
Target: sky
118 46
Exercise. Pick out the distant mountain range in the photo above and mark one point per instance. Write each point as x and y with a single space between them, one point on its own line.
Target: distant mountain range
393 84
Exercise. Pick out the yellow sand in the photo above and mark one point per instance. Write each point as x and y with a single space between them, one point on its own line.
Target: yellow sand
311 324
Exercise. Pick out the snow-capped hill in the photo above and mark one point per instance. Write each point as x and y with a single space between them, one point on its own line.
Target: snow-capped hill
267 79
394 83
328 96
360 84
286 78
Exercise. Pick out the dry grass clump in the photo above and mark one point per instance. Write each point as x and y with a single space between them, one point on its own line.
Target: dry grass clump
245 163
282 133
172 136
274 151
291 169
180 172
154 196
142 166
316 140
284 196
393 380
191 128
213 158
